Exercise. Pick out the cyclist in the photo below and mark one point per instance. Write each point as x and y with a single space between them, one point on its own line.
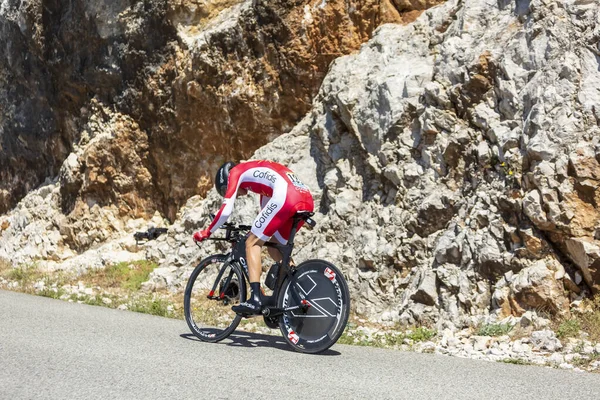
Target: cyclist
282 195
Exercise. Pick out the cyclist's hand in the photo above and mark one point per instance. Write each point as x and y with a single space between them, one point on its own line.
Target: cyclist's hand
201 235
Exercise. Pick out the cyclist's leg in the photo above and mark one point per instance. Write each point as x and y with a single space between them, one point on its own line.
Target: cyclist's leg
253 305
263 227
295 201
274 223
275 213
253 249
273 252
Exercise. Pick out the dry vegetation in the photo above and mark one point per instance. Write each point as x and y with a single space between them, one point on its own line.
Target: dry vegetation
4 266
127 276
585 319
115 286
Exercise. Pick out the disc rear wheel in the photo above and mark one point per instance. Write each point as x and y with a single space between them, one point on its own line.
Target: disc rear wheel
320 286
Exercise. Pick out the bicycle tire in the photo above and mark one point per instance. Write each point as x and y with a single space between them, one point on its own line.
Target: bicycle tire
323 286
211 319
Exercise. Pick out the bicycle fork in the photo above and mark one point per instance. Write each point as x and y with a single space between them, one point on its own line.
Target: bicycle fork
221 295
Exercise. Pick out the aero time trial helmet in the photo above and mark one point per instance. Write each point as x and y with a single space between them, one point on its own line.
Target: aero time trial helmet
222 177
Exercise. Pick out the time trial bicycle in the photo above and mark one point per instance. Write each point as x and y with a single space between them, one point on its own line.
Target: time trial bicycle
310 302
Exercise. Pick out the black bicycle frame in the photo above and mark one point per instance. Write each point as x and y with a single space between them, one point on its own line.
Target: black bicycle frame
238 256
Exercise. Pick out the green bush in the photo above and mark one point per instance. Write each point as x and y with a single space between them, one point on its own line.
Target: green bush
494 329
568 328
421 334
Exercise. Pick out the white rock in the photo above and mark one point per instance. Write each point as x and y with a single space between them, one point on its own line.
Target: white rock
588 349
527 319
545 340
497 352
556 358
481 343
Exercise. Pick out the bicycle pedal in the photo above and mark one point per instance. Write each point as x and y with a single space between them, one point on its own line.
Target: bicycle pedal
250 315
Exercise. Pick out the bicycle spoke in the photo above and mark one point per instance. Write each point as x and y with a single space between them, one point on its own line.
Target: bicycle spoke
209 316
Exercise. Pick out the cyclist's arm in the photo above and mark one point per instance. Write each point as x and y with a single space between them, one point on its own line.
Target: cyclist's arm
227 207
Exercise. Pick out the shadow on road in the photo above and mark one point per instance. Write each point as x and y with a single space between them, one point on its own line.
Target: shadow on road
249 339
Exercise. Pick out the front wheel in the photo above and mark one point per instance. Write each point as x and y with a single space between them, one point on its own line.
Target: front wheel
213 287
322 286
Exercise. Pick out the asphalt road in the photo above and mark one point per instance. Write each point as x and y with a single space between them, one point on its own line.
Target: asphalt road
51 349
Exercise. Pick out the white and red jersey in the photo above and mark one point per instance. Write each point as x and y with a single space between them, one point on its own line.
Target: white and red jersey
282 195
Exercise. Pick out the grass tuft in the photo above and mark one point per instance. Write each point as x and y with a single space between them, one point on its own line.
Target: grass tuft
5 265
590 320
51 293
23 274
494 329
151 305
568 328
385 338
125 275
587 321
421 334
516 361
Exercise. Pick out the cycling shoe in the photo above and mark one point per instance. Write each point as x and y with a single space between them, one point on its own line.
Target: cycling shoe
248 308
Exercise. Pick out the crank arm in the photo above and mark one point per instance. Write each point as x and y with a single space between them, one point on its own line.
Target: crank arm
275 312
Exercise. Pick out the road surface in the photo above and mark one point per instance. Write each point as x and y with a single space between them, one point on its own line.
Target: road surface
50 349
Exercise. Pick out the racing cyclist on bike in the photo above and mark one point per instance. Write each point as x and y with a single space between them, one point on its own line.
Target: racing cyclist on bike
282 195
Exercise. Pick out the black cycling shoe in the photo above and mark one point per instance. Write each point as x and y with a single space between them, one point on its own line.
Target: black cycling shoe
248 308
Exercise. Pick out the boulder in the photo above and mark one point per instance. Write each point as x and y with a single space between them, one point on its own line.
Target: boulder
533 288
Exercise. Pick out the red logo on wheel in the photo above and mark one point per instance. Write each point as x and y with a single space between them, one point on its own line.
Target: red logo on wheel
293 337
329 274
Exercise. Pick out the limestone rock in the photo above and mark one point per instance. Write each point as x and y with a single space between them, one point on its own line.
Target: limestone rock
426 291
202 80
545 340
454 159
585 252
533 288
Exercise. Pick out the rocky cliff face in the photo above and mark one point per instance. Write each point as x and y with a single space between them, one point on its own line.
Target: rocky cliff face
202 80
56 59
131 105
455 159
